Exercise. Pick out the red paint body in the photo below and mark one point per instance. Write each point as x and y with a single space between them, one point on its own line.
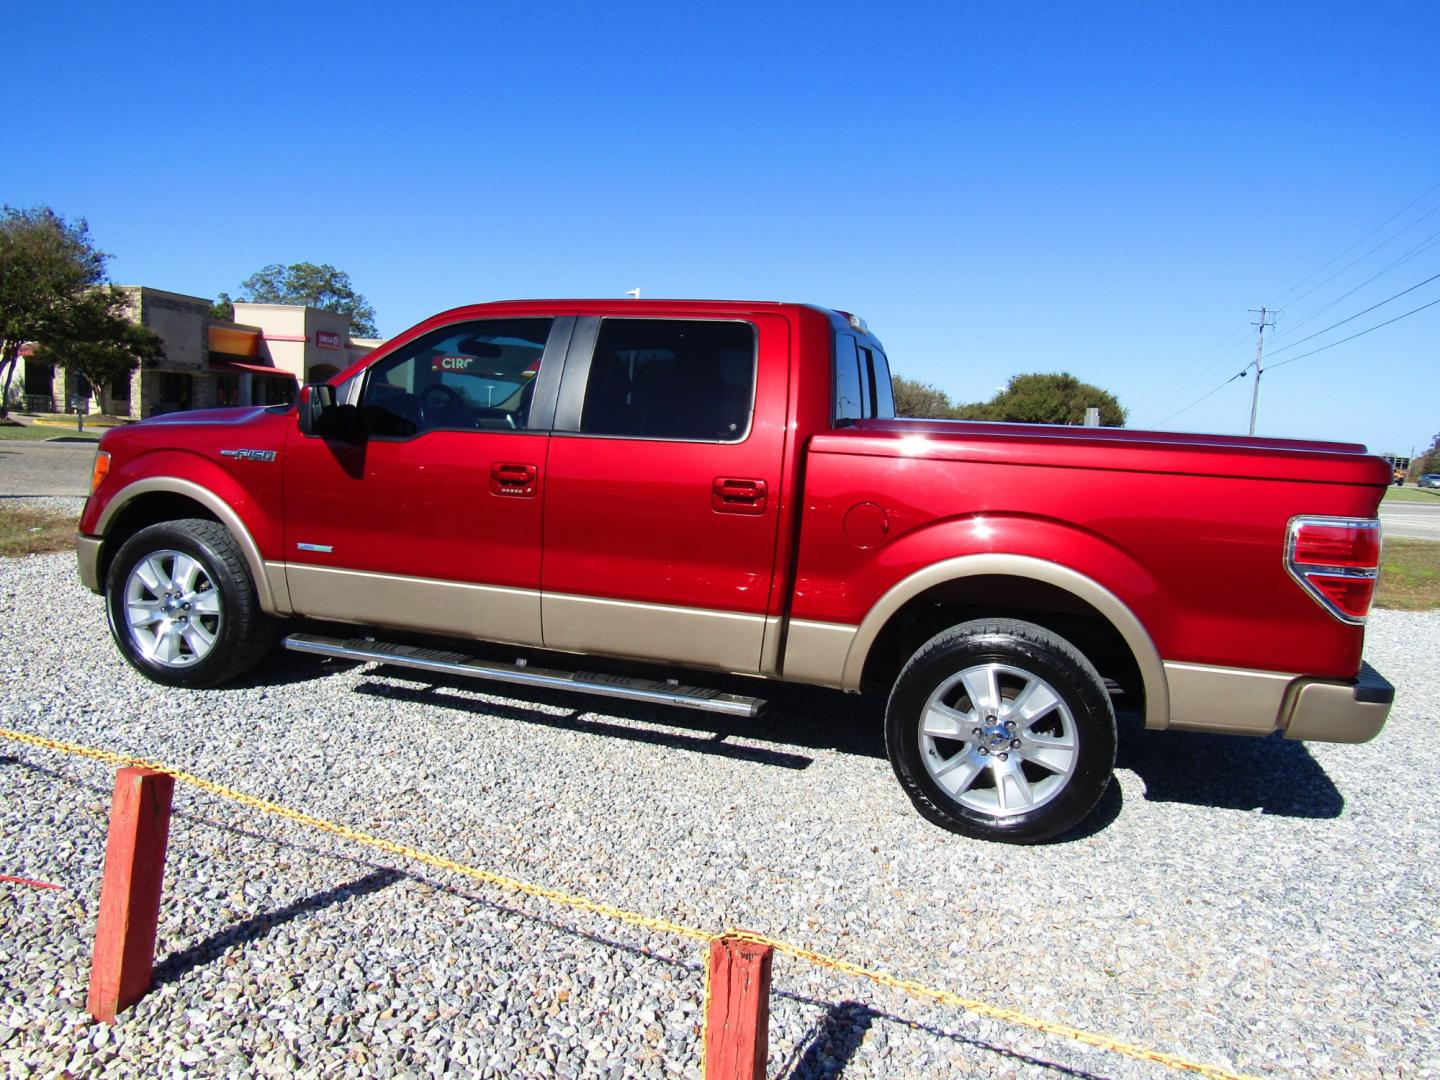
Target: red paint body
1187 530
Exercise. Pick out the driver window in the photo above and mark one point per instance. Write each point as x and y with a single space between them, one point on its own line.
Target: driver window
467 377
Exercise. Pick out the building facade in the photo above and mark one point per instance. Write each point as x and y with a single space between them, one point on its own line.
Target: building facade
261 358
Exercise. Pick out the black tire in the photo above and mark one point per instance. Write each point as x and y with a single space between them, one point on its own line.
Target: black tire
239 633
1061 794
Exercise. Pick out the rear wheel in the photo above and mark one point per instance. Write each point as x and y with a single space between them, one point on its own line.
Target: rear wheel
1001 730
182 606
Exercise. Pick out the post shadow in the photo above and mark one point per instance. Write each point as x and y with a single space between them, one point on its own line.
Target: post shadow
838 1035
176 965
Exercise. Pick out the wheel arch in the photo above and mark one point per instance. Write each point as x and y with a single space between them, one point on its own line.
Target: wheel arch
1006 585
168 498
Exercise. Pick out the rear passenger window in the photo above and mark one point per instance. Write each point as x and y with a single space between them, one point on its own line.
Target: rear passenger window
862 382
849 401
671 379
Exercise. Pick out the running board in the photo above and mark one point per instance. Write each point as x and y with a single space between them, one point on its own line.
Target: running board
667 692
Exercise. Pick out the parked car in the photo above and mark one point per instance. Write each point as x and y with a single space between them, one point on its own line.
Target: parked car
723 486
1429 480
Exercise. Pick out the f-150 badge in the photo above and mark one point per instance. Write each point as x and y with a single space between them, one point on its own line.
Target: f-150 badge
249 455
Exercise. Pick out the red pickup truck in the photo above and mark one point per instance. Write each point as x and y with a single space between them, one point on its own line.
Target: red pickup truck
722 486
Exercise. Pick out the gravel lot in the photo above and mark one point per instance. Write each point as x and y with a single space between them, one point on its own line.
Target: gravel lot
1257 904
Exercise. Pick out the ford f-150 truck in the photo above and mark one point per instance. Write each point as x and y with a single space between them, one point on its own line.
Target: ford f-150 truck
722 486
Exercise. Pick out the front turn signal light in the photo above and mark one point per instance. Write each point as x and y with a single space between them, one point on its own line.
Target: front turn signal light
100 470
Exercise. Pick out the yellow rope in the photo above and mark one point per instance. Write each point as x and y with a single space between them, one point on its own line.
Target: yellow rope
581 903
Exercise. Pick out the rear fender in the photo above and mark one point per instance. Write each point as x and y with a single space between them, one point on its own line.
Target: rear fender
1055 553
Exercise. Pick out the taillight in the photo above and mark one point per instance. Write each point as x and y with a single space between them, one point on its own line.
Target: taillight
99 470
1336 560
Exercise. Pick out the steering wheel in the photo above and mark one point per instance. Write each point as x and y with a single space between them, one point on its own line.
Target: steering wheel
439 403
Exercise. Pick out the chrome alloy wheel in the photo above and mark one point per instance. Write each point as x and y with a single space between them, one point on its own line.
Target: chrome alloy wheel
998 740
172 609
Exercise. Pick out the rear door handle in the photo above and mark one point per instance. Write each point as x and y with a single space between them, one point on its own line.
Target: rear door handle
736 495
513 480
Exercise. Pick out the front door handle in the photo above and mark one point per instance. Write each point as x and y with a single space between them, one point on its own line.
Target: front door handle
735 495
512 480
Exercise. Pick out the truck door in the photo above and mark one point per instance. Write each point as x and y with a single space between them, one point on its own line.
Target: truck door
663 489
431 519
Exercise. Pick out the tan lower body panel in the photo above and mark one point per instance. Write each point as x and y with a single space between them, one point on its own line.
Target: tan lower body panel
1233 701
815 652
1328 712
87 555
279 589
484 612
719 640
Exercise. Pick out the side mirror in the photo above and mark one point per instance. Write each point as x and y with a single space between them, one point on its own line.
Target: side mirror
321 415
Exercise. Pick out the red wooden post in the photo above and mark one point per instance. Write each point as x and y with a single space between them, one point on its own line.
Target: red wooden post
130 891
737 1021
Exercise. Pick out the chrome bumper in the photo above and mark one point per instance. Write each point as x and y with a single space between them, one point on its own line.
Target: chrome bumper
1348 712
87 555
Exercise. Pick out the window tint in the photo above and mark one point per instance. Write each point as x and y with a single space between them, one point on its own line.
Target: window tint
884 390
470 376
875 372
849 402
671 379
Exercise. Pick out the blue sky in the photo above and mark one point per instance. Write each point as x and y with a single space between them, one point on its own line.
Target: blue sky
1102 188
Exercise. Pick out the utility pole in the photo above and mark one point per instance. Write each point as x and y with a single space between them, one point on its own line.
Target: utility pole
1266 319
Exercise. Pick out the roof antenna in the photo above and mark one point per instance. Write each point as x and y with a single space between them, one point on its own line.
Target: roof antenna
633 293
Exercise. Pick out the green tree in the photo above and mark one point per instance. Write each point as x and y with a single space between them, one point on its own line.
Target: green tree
1058 398
314 286
46 265
94 336
921 400
1430 460
223 308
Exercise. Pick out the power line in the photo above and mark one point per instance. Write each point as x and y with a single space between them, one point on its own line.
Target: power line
1356 262
1362 333
1352 318
1229 351
1165 395
1197 401
1419 249
1357 243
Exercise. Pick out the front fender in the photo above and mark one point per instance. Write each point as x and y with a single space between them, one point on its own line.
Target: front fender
194 477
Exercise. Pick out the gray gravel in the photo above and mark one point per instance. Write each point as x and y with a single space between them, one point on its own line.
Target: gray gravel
1251 903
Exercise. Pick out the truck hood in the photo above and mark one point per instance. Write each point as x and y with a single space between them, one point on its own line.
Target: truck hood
1116 449
242 414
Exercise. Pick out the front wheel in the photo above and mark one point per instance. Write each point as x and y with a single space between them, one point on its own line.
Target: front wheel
1001 730
182 606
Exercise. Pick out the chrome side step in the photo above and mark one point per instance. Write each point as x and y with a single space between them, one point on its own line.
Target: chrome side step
668 692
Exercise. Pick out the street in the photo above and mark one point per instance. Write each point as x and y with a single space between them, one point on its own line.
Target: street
1410 521
45 468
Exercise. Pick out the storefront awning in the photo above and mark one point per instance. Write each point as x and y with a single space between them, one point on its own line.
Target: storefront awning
240 367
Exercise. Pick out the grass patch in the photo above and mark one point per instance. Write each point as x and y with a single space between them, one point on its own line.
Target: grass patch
27 531
1410 575
1412 494
38 433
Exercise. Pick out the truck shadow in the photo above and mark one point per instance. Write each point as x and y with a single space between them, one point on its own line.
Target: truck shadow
1273 775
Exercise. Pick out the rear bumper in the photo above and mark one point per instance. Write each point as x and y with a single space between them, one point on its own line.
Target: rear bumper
1350 712
87 555
1236 701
